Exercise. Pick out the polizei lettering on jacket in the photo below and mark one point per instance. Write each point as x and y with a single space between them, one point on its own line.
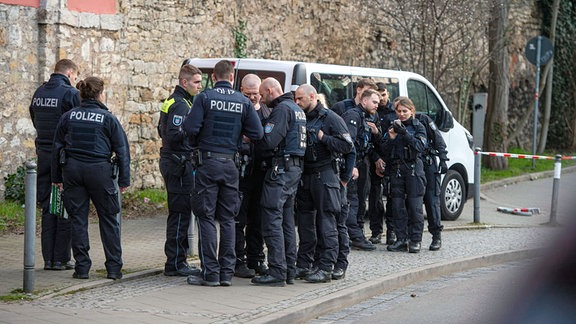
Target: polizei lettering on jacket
87 116
230 106
45 102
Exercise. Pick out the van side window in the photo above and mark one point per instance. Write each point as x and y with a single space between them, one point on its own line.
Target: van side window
332 86
207 82
424 99
241 73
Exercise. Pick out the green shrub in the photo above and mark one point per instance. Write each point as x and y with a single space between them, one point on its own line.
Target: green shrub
15 186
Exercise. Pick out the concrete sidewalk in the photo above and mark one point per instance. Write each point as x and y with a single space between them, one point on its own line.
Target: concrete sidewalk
146 296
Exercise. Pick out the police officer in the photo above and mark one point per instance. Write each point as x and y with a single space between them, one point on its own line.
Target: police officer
401 147
436 148
85 140
250 255
49 102
284 145
217 121
176 170
344 105
318 196
385 114
360 131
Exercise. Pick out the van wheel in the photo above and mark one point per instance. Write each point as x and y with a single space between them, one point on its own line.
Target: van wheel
452 196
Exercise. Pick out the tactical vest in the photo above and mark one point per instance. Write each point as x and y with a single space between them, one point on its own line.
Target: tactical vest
295 141
47 106
314 151
363 135
222 127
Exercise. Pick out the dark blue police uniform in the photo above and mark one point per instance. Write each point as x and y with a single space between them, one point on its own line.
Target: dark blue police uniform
284 143
356 120
407 182
176 169
89 135
49 102
218 119
436 148
250 244
318 196
377 214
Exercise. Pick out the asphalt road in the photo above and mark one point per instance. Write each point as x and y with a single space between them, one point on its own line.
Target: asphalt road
475 296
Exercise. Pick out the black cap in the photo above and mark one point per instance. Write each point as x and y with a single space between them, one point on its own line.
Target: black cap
381 86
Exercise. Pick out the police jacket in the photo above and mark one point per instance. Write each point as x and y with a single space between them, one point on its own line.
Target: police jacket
49 102
385 115
356 119
342 106
285 130
404 148
219 117
90 133
172 114
335 139
436 144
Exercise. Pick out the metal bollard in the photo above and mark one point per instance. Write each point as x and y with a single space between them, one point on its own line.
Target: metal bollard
477 164
30 227
191 235
555 190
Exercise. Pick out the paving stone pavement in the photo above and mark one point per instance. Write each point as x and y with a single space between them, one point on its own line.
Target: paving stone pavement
146 296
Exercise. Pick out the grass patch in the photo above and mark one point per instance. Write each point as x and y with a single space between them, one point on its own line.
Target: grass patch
16 295
11 214
141 203
518 167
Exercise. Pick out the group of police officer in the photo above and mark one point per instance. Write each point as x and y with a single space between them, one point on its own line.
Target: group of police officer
247 160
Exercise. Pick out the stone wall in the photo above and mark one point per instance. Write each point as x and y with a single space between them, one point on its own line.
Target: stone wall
138 51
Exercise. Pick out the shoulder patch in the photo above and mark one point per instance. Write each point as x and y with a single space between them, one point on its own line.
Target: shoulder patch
432 125
177 120
268 128
353 122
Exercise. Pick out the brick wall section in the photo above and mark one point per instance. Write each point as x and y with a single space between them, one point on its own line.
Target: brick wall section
139 49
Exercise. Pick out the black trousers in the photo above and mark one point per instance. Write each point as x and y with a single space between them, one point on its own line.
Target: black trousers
343 238
278 224
179 181
408 185
318 200
250 244
216 198
56 237
85 181
432 199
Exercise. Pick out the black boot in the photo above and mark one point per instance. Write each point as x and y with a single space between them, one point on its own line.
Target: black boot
436 242
242 270
319 276
414 247
398 246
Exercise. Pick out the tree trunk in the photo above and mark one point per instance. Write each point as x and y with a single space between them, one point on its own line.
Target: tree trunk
548 102
499 85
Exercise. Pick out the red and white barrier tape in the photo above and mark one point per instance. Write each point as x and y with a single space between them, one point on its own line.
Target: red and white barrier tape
524 156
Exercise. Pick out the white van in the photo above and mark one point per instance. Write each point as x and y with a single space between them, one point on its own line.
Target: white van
337 82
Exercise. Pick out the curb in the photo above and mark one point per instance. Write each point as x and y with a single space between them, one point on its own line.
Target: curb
353 295
100 283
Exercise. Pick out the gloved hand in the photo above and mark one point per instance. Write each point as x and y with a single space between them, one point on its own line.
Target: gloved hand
442 167
399 128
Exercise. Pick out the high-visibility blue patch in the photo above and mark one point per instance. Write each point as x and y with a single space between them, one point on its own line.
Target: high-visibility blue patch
268 128
177 120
